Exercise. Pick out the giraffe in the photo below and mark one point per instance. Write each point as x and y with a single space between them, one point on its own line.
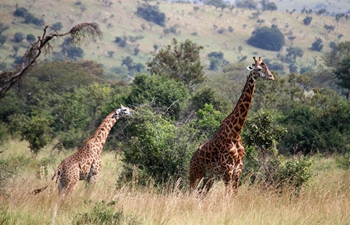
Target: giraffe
85 164
223 154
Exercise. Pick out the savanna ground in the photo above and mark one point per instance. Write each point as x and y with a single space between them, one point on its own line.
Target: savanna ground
324 201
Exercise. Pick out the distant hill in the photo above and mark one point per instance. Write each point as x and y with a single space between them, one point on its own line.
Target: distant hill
216 30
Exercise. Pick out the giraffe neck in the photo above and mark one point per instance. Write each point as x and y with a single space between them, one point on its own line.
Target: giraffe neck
231 127
98 139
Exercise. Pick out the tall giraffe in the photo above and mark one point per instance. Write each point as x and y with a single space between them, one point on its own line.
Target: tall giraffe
85 164
223 154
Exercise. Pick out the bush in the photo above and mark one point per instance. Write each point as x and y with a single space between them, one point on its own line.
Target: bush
317 45
30 38
162 93
158 149
151 13
307 20
103 213
271 39
35 130
3 39
57 26
343 161
265 166
18 37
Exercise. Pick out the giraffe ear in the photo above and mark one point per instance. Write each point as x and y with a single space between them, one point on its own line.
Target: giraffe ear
250 68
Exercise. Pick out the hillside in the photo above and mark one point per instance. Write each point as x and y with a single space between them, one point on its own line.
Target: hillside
200 26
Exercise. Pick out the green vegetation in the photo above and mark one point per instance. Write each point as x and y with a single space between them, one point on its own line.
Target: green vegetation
267 38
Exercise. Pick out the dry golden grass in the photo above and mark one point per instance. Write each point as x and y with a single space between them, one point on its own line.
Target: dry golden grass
324 201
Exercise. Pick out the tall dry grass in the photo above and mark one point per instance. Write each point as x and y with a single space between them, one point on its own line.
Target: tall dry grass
324 201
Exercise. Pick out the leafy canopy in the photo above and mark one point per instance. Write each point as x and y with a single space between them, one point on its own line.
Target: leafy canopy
181 61
271 39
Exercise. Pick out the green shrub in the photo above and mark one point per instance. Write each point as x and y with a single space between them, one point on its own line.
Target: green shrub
157 149
103 213
151 13
343 161
271 39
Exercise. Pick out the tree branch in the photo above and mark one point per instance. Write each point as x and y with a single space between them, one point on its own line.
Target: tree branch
81 33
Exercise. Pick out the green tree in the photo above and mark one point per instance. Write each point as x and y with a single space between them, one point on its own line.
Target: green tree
31 38
3 39
271 39
342 72
35 130
207 95
317 45
18 37
3 27
163 93
151 13
208 121
158 149
294 52
181 61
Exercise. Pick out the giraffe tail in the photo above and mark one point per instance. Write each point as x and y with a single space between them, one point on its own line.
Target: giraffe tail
37 191
56 174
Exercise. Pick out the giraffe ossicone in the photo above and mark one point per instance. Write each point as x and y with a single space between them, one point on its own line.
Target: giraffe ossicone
85 164
223 154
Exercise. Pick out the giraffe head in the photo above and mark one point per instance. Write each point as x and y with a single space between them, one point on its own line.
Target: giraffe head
259 69
122 112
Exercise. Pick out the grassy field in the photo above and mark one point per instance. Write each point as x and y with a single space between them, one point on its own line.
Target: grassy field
324 201
119 19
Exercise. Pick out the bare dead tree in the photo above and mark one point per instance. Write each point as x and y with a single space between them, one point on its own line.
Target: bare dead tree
80 34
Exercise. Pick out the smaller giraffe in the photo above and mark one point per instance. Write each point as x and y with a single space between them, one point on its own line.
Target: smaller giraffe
223 154
85 164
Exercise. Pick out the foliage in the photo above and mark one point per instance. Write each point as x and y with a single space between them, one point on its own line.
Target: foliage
293 53
342 72
3 27
8 169
3 132
307 20
103 213
161 92
35 130
180 61
271 39
317 45
73 52
18 37
343 161
249 4
30 38
317 129
265 166
216 3
271 6
158 149
57 26
28 17
207 95
3 39
151 13
208 120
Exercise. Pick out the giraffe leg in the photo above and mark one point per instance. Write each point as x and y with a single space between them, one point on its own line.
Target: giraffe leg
236 176
196 175
227 177
208 182
94 172
68 181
